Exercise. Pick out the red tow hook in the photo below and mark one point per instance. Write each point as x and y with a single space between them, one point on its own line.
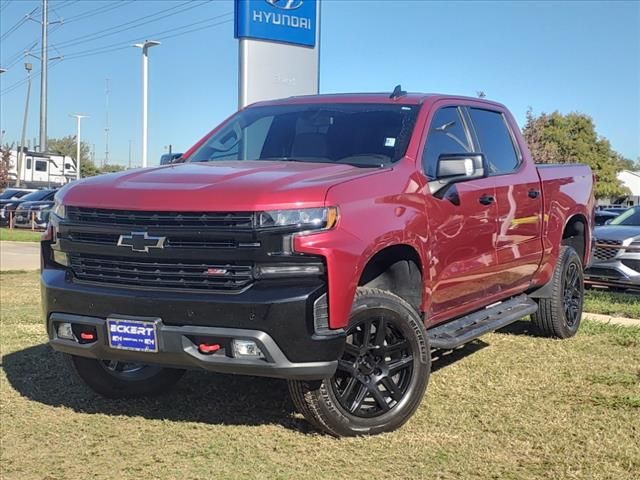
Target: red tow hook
208 349
88 336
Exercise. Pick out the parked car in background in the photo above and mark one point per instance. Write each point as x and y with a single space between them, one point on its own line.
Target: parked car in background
37 201
602 217
13 193
617 253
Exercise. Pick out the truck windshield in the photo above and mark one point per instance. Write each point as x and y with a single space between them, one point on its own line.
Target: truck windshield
364 135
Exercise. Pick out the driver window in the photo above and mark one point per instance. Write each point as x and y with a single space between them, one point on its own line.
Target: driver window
446 135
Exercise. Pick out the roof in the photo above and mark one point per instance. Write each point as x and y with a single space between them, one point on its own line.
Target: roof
412 98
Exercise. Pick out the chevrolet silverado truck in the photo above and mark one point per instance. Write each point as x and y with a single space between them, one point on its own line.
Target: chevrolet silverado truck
331 240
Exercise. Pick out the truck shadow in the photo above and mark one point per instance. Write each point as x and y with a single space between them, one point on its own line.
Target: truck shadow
40 374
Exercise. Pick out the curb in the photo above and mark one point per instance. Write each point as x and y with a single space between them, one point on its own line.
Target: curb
626 322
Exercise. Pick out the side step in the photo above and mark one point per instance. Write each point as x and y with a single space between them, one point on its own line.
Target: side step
464 329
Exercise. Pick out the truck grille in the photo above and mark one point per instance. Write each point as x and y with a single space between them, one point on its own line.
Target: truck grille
98 216
160 274
607 249
173 241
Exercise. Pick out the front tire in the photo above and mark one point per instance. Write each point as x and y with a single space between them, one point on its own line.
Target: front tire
115 379
559 315
382 375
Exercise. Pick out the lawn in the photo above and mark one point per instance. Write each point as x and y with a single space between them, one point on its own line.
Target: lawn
18 235
612 303
512 405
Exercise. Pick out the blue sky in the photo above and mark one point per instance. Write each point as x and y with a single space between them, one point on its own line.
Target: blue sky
566 56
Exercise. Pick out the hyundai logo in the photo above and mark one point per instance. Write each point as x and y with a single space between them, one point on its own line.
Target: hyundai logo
285 4
141 241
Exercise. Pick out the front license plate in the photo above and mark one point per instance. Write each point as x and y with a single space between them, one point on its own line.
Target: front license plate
136 335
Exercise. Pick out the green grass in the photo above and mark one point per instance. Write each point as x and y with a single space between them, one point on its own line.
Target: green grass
18 235
612 303
511 406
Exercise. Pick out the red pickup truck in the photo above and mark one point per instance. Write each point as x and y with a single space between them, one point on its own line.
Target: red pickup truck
330 240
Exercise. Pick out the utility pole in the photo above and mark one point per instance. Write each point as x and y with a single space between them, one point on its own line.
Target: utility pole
20 165
44 64
145 80
78 117
129 153
106 127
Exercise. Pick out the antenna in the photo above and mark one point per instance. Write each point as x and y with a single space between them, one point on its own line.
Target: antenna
106 127
397 92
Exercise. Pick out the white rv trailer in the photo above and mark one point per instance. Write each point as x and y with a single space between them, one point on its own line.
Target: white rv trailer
42 170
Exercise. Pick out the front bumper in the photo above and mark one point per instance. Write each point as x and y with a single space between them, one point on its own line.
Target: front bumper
23 219
277 315
614 273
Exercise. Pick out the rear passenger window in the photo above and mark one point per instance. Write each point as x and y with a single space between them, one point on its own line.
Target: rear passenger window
495 140
446 135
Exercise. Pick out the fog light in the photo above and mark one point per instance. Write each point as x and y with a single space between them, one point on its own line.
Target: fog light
246 348
65 331
290 270
61 258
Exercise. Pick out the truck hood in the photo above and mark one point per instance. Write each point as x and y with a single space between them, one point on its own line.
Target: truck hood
214 186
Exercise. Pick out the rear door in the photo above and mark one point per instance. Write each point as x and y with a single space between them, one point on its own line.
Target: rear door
519 200
462 225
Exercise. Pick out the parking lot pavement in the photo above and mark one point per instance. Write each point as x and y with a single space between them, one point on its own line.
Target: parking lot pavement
19 256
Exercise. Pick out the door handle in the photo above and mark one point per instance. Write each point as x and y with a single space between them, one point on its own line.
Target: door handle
486 199
534 193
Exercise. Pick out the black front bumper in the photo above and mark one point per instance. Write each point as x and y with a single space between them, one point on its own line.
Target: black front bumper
277 315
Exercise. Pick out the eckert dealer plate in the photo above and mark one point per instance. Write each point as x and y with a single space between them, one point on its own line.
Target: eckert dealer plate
137 335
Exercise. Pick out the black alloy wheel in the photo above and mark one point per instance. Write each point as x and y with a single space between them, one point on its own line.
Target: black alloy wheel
572 294
381 376
375 370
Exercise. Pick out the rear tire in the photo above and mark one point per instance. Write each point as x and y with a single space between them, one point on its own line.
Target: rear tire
382 375
123 380
559 315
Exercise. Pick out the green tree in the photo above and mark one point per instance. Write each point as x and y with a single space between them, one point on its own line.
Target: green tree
572 138
111 168
5 164
67 146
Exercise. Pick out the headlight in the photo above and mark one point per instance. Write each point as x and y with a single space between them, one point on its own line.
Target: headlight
305 219
58 208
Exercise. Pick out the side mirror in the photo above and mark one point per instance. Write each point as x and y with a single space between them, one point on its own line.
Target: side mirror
458 167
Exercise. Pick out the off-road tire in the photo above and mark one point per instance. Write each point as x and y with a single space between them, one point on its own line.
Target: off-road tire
559 315
149 380
320 401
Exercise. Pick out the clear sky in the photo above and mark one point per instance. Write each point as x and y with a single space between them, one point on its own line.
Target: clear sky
566 56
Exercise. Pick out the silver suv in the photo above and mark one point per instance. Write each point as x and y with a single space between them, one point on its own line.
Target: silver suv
617 252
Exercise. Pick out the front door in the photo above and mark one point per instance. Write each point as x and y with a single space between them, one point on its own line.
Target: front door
462 226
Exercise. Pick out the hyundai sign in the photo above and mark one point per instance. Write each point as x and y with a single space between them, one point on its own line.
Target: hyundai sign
288 21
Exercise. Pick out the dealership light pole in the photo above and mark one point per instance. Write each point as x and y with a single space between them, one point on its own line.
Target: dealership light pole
27 67
145 81
78 117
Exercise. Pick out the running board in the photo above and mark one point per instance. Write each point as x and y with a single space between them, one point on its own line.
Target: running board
464 329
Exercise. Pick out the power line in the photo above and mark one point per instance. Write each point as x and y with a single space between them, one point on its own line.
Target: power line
159 35
18 24
110 31
18 84
127 44
99 10
15 58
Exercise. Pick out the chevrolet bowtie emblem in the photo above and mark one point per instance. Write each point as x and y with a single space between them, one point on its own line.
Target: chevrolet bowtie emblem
141 241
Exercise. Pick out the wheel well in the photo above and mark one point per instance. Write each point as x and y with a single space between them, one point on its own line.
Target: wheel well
574 235
396 269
